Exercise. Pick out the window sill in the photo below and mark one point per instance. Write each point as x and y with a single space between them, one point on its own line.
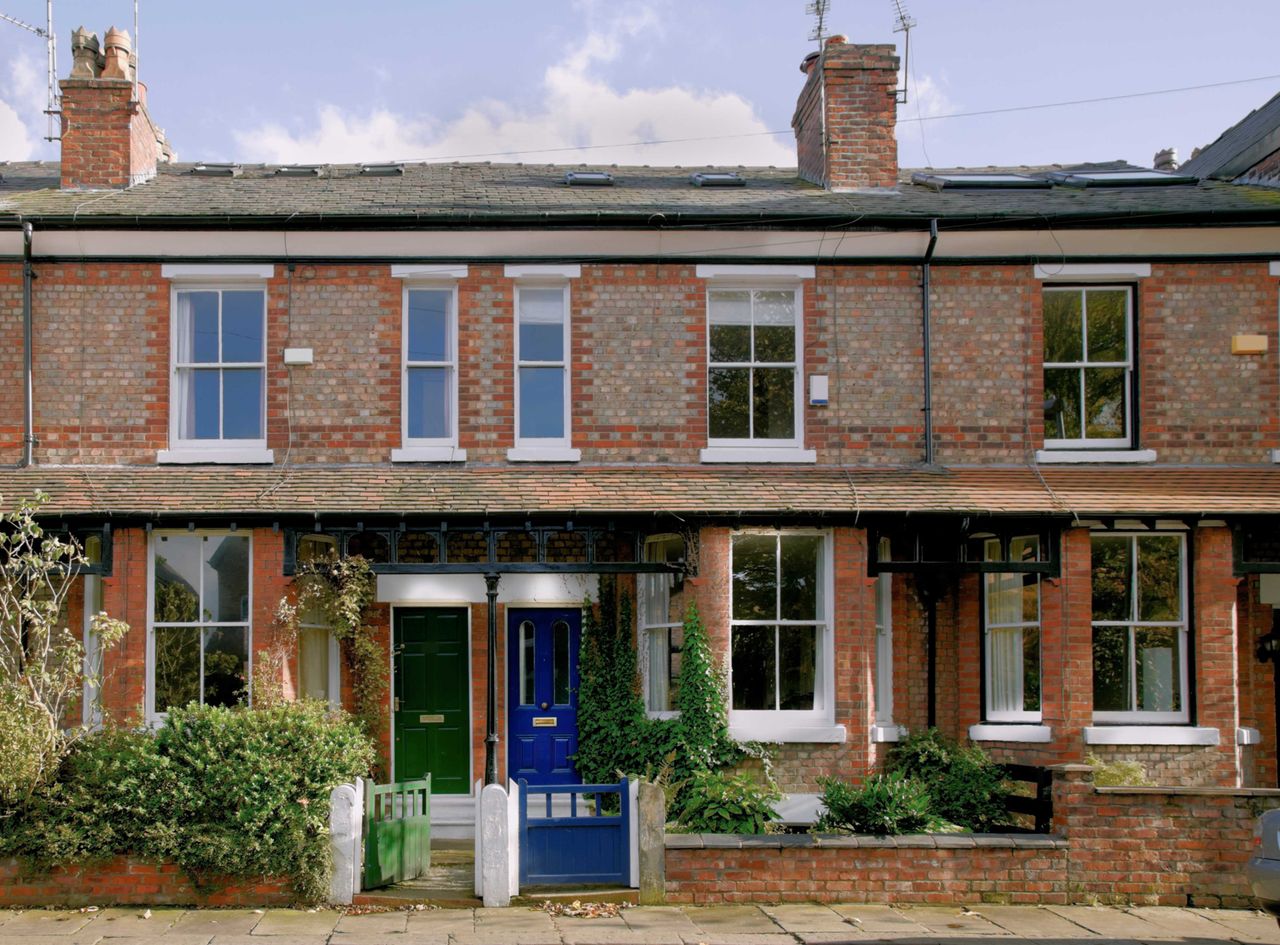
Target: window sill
888 733
1095 456
784 732
663 713
429 454
1275 456
243 455
1150 735
543 454
757 454
1248 736
1033 734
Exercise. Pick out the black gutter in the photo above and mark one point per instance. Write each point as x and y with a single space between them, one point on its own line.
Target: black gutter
926 281
28 402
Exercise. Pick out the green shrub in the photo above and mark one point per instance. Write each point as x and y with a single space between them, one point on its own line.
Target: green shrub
719 802
967 787
234 792
885 804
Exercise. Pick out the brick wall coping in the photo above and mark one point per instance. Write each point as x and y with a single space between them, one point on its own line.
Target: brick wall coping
929 841
1193 791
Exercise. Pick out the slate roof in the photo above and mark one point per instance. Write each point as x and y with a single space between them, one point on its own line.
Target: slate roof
1240 147
535 195
161 491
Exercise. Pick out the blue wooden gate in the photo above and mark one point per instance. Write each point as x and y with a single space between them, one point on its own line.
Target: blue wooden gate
574 839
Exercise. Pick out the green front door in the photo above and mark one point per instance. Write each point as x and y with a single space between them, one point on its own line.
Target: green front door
431 715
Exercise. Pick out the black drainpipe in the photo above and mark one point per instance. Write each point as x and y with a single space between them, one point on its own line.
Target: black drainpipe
28 421
925 309
931 585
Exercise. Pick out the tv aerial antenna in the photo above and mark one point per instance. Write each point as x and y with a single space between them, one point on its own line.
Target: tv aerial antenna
52 102
905 23
818 9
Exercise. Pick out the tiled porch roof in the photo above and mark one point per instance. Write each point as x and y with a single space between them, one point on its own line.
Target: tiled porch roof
408 490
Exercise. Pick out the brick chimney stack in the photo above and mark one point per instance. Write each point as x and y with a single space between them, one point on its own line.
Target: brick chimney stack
108 139
859 84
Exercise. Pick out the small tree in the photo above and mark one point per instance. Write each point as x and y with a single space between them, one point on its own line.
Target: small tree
42 666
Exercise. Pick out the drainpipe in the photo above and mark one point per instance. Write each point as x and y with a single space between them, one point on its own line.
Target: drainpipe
28 421
491 736
926 282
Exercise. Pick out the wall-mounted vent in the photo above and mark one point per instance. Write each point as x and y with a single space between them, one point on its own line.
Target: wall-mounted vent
588 179
389 169
978 181
299 170
217 170
717 179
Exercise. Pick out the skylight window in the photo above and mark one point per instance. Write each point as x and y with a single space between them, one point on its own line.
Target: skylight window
717 179
978 181
299 170
390 169
588 179
217 170
1130 177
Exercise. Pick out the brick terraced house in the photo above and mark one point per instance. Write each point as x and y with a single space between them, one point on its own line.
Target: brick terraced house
989 451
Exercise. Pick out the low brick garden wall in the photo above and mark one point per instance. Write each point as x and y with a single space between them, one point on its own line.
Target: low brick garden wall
1148 846
125 881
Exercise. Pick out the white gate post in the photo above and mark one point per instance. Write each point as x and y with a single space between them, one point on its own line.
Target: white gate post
494 826
346 817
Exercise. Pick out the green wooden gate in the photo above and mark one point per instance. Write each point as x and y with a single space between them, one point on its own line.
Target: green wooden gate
397 832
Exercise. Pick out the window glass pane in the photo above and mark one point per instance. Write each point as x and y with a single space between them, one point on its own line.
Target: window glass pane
1105 311
242 325
177 667
1111 669
541 403
729 316
427 400
313 663
1062 396
658 697
1157 658
202 309
1030 597
374 547
1004 598
428 326
1112 578
177 579
755 577
417 548
1159 577
226 579
1104 393
992 549
226 666
775 318
1004 651
1063 331
617 547
560 663
242 404
773 403
798 652
313 549
204 392
1030 669
728 403
541 324
799 598
754 668
527 663
1024 548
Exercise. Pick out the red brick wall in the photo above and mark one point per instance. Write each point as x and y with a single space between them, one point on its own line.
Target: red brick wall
128 881
106 141
11 363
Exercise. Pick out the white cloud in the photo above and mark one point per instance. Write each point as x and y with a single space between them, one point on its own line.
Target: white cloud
21 107
928 99
580 118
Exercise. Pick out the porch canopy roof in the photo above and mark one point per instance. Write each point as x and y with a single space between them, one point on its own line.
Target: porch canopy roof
173 492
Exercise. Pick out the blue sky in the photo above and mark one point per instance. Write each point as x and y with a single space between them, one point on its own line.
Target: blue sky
558 81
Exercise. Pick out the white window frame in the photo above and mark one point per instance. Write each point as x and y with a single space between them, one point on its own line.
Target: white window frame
335 652
1084 364
430 449
215 278
1009 715
152 715
792 725
544 449
646 624
1182 716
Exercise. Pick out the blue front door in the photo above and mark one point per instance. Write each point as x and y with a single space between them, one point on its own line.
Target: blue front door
542 683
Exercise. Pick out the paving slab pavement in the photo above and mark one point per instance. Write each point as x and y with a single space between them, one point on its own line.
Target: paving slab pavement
735 920
953 921
371 925
807 917
135 921
1032 922
1244 925
217 921
300 923
1109 922
47 922
879 921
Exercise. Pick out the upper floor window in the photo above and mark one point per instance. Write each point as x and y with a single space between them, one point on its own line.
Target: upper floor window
219 376
1011 631
1139 628
198 647
1088 367
542 363
753 375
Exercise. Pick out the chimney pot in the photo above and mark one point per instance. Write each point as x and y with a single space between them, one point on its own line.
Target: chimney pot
86 60
1166 159
117 45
